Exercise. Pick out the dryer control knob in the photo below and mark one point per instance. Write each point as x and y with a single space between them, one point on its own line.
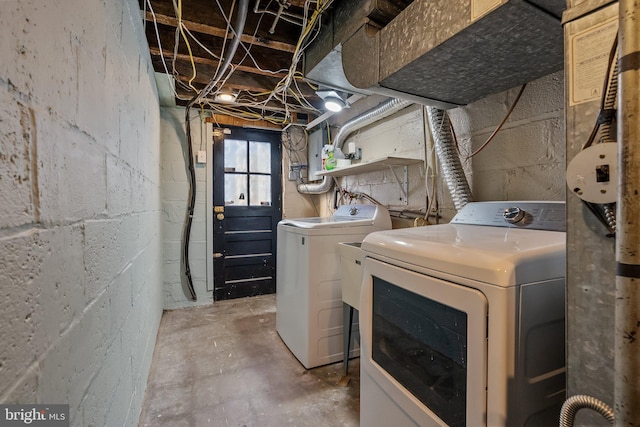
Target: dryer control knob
513 214
353 211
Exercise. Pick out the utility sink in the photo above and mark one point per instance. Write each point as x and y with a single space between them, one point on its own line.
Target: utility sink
351 257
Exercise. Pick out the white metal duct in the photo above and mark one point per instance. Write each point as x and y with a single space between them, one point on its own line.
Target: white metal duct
441 52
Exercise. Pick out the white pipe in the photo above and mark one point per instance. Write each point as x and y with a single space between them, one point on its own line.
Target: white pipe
627 310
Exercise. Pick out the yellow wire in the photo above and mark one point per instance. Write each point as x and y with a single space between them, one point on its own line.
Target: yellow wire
184 36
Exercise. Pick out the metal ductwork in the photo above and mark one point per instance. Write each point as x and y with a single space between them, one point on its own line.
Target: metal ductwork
438 52
383 110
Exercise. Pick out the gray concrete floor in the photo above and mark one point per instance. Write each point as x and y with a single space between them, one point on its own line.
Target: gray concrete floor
225 365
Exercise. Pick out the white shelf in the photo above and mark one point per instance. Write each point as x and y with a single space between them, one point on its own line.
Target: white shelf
371 166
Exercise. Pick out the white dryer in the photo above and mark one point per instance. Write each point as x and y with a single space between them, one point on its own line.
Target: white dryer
308 289
462 324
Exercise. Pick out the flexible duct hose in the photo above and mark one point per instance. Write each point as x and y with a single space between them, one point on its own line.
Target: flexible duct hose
610 216
448 156
383 110
572 405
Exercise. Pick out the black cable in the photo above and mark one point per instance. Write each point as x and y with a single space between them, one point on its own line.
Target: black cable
186 236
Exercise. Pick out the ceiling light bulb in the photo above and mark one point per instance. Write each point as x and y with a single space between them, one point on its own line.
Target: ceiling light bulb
333 104
226 97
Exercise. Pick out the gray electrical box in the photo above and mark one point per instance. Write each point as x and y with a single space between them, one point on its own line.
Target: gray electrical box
316 140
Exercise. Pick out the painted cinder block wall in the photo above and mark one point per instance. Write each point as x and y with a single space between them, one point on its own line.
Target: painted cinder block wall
80 230
175 192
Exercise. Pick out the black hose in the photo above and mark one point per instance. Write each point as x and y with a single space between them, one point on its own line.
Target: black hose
186 237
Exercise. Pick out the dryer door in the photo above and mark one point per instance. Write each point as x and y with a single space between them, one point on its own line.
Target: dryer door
424 342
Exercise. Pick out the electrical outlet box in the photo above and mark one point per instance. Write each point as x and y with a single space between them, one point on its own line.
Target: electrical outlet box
202 157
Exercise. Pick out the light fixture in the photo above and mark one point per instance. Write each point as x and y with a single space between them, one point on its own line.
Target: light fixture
333 100
225 97
334 104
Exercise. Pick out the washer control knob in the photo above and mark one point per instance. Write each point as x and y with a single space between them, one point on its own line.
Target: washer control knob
353 211
513 214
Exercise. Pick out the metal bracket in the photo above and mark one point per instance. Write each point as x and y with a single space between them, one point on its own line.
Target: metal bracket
404 185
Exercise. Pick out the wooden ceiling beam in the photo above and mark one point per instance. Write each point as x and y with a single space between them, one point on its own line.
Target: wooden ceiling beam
243 81
220 32
206 61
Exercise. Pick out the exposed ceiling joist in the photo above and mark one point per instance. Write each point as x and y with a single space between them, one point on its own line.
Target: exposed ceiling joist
220 32
263 74
199 60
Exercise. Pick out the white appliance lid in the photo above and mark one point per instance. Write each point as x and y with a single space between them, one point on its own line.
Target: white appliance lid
494 255
346 216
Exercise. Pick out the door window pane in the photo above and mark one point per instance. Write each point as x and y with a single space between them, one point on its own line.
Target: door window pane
423 345
235 156
260 190
260 157
235 189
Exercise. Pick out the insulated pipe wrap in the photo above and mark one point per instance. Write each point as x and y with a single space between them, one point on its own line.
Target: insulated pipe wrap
381 111
572 405
448 156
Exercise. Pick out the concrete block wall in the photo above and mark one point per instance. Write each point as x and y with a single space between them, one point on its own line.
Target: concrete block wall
175 186
80 241
524 162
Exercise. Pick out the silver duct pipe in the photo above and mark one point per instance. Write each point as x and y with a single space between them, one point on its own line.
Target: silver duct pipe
572 405
627 311
381 111
448 157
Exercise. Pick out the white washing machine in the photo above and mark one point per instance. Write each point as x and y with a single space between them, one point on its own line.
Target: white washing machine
462 324
308 288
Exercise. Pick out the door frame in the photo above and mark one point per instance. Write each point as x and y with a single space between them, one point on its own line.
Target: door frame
210 136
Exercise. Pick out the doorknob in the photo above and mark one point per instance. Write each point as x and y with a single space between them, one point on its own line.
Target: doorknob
217 255
220 216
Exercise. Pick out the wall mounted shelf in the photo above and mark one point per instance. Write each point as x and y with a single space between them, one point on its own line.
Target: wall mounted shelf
383 163
371 166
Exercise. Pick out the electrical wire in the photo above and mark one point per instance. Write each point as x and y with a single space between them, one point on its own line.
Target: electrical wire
186 235
186 41
164 63
504 120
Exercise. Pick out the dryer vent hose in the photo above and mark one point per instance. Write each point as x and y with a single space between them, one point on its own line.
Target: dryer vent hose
573 404
448 157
